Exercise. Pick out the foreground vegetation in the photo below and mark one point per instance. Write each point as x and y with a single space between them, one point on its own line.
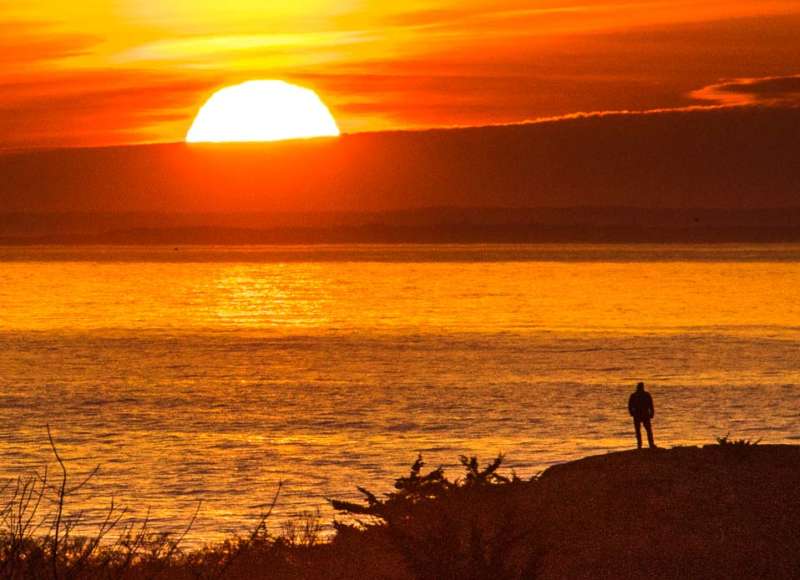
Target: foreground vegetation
429 528
728 510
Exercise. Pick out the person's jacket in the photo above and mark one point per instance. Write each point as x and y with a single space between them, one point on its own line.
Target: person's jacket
640 405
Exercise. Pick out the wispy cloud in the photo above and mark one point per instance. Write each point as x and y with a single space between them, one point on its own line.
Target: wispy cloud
776 91
24 44
201 48
96 107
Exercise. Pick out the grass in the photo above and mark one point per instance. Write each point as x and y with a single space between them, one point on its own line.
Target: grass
444 529
429 528
726 442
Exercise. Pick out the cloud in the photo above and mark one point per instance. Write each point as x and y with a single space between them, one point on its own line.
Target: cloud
25 44
202 48
642 69
96 107
773 91
722 157
476 17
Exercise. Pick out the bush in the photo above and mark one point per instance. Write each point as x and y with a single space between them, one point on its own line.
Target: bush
429 528
463 529
724 441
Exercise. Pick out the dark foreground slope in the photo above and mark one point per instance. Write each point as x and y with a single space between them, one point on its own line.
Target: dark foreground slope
715 512
723 511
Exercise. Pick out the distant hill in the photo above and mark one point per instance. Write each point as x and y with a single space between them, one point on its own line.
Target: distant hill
423 225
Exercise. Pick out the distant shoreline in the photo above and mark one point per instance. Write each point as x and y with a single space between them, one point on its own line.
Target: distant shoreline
430 225
501 235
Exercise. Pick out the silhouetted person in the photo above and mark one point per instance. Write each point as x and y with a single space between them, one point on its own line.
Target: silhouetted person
640 406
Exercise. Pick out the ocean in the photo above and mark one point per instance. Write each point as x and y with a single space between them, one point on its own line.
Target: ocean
204 376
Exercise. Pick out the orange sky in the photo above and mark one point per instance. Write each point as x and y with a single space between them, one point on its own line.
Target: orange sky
94 72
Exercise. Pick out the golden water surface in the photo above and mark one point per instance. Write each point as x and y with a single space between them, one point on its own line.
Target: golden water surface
212 373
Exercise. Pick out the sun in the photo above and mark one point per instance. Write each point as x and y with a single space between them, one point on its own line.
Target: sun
262 111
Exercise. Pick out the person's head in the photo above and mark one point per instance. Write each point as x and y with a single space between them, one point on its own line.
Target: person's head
640 386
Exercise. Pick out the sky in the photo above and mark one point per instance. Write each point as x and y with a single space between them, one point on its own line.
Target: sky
95 73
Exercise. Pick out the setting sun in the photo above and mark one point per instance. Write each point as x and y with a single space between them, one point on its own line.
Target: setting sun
262 111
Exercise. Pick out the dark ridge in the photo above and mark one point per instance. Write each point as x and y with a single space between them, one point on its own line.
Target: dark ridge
419 235
419 225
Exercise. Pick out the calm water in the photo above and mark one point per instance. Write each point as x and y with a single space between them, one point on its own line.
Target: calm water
213 373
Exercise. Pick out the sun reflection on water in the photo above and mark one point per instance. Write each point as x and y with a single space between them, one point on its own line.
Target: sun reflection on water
251 297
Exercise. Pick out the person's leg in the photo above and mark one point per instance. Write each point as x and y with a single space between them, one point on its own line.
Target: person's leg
649 428
638 426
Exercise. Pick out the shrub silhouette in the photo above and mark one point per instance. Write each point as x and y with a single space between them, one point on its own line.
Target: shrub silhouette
429 527
725 441
465 529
